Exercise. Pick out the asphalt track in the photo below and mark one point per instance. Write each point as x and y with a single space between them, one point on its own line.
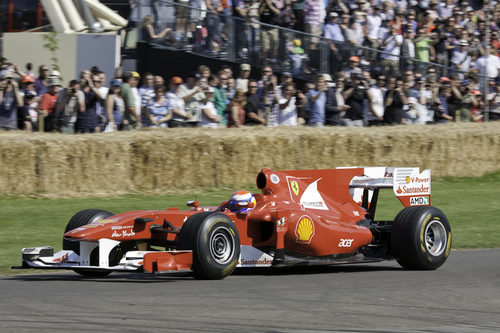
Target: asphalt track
461 296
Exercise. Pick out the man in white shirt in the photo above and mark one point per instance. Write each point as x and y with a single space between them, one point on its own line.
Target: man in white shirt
391 44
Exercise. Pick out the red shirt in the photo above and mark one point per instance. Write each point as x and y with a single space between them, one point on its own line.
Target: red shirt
48 102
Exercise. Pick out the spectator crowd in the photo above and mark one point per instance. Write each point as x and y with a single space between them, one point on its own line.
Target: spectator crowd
391 36
204 98
364 86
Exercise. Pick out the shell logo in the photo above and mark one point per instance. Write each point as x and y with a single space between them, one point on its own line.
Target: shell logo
304 230
407 179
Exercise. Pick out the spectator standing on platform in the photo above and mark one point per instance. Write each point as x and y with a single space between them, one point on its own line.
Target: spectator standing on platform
391 44
314 16
214 39
270 11
334 36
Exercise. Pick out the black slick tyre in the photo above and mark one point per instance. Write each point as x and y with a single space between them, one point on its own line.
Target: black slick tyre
215 243
85 217
421 238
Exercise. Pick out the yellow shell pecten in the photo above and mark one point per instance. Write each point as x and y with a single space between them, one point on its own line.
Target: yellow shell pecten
305 230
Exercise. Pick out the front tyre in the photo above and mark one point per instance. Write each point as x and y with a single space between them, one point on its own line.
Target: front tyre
215 243
421 238
84 217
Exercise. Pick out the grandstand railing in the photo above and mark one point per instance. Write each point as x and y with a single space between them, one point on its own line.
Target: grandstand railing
244 41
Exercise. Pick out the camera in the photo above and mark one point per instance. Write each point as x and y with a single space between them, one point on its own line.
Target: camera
73 90
9 81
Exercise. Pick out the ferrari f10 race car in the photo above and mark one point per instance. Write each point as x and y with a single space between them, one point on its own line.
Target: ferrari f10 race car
302 217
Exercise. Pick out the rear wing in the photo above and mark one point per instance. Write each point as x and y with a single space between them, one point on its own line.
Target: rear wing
411 187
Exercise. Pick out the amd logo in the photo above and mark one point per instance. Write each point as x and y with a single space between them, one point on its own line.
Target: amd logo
345 242
419 201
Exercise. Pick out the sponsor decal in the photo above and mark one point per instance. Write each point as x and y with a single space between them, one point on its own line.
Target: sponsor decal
295 187
275 179
62 259
104 221
311 198
304 230
408 181
119 227
124 233
90 226
344 242
419 201
253 262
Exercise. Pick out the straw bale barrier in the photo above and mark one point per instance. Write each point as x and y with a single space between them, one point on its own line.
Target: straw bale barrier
159 161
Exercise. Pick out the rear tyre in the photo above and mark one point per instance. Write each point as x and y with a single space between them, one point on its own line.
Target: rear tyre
421 238
84 217
215 243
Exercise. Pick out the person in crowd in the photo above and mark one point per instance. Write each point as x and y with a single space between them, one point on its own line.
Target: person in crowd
394 101
88 121
376 97
236 116
253 114
314 16
269 100
192 93
269 12
28 113
10 100
146 93
316 101
176 104
157 108
242 80
48 102
391 45
219 83
335 106
41 81
71 103
132 107
115 108
209 116
355 93
148 31
334 36
288 105
213 41
99 81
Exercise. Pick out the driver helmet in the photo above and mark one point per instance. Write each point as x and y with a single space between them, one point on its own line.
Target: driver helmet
240 196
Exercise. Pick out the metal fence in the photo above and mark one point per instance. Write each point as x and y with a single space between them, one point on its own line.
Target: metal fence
230 38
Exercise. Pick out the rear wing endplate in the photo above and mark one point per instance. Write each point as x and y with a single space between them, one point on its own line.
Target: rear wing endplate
411 187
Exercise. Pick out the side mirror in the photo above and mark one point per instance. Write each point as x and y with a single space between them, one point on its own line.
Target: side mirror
193 203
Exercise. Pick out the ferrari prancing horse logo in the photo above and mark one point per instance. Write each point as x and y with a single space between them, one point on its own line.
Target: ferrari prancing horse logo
295 187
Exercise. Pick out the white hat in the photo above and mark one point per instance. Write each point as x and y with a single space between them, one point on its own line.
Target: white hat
327 77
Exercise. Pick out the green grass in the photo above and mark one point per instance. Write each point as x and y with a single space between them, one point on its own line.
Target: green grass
471 205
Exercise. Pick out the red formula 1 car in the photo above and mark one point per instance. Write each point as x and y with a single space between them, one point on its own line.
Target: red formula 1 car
304 217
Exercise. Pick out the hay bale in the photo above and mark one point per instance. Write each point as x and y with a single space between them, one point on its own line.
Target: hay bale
159 161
